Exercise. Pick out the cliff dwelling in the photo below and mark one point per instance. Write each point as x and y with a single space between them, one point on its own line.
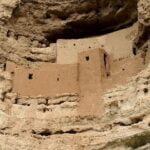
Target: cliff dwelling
74 74
94 73
87 67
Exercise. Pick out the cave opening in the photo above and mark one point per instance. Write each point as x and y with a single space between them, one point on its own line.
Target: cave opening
78 31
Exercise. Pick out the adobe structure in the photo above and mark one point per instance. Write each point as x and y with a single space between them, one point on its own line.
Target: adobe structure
95 72
52 79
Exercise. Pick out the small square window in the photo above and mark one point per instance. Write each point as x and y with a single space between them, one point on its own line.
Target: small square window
87 58
30 77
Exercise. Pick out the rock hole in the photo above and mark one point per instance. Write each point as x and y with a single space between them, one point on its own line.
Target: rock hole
8 33
71 131
44 109
47 16
121 124
29 59
137 119
59 132
43 133
145 90
44 43
119 6
63 17
25 104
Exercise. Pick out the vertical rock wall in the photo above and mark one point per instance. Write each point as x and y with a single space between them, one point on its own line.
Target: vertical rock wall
54 123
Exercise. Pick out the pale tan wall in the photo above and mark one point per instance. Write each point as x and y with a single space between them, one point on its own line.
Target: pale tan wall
89 78
48 80
122 70
91 73
94 80
67 50
117 44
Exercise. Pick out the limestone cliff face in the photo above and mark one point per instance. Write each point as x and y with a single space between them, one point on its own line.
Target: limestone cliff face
54 123
27 27
142 42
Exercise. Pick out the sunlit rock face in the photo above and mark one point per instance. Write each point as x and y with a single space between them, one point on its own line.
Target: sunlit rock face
142 41
27 30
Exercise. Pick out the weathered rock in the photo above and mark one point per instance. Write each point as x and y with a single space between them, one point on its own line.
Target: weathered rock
27 28
5 84
48 124
142 41
52 19
6 9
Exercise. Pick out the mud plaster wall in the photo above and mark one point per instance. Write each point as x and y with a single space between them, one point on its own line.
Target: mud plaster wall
48 80
94 74
117 44
121 70
103 75
92 69
52 79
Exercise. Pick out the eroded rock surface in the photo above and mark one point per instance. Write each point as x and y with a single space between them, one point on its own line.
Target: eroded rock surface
142 42
49 20
54 123
27 28
34 23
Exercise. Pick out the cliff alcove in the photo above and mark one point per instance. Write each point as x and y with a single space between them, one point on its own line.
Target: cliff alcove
74 74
